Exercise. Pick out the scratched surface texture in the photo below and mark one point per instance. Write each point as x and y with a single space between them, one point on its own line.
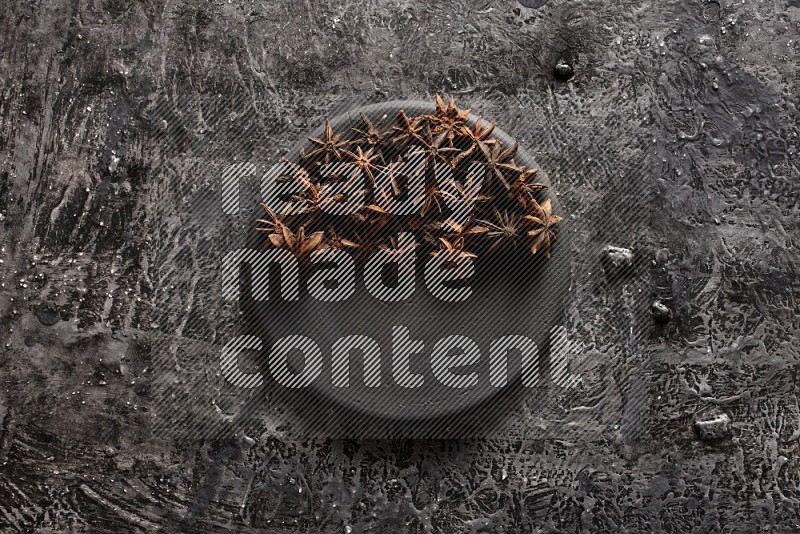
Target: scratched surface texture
678 132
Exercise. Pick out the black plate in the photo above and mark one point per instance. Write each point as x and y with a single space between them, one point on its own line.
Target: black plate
514 292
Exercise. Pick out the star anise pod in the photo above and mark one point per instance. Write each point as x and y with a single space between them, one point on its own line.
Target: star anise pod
274 223
372 215
336 241
467 194
456 239
372 219
543 217
330 145
396 246
499 161
397 184
409 129
316 198
466 229
449 118
435 152
297 243
429 228
522 186
373 236
431 199
365 161
457 245
372 135
504 230
445 160
478 137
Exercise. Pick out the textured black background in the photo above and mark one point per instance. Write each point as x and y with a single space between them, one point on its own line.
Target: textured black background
678 131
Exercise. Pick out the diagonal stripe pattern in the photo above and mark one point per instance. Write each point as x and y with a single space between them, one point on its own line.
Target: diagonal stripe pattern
191 383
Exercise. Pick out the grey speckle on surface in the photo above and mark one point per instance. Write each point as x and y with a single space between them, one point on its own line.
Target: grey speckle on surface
617 260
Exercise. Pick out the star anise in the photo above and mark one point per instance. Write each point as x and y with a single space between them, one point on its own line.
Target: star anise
431 199
498 161
468 228
373 220
395 245
434 189
373 236
430 228
467 194
274 224
504 231
456 239
409 130
365 161
372 135
330 145
478 137
543 217
372 215
316 198
449 118
297 243
434 151
522 186
337 241
398 181
457 245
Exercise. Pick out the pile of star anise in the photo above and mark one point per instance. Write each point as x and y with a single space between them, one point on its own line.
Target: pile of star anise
460 189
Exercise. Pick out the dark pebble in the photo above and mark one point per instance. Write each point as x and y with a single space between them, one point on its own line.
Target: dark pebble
29 341
563 71
661 312
48 314
713 429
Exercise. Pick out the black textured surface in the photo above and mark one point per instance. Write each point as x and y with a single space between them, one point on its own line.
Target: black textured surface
685 112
